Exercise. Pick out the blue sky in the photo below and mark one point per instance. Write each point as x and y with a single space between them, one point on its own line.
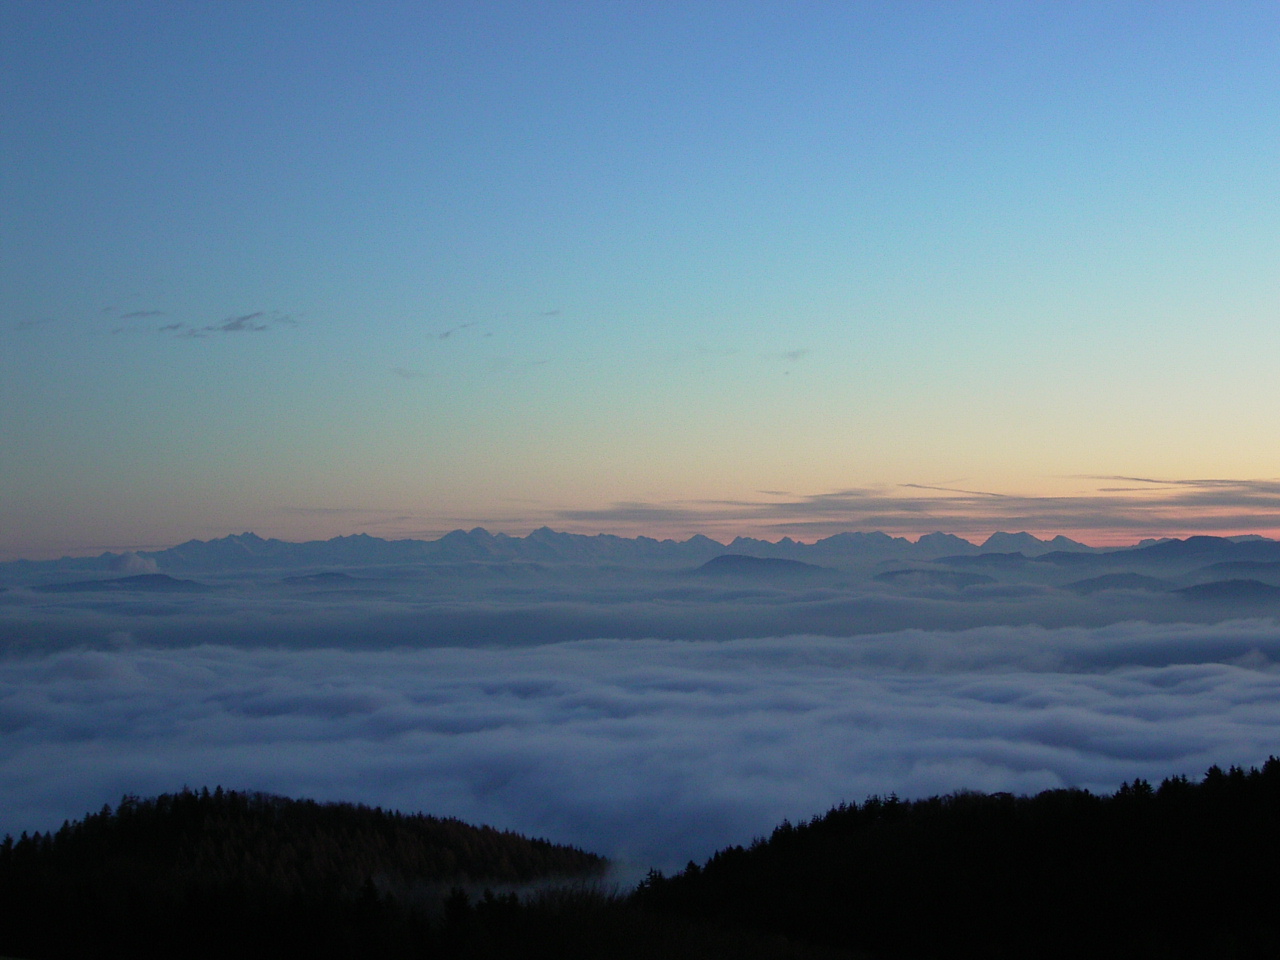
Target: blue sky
315 269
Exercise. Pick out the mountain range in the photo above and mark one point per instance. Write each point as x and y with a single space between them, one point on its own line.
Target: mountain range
248 552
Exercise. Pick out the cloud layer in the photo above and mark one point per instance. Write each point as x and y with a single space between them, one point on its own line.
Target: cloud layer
647 750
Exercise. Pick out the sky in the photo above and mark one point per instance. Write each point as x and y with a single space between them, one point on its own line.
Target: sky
755 268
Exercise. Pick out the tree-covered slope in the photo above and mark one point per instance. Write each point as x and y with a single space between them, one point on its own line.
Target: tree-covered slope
237 876
203 873
1185 870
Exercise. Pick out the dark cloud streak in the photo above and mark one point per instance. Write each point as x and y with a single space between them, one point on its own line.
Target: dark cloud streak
446 334
258 321
1160 507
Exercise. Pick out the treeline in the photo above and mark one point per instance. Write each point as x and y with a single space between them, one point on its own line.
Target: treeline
224 874
1180 871
197 874
1186 869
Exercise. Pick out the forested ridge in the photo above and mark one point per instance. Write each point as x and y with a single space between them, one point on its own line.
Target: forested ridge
1179 871
293 844
199 872
225 874
1185 869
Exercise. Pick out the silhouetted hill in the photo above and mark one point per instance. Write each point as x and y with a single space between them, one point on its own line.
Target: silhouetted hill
994 560
251 877
1208 550
1188 870
1233 569
328 578
1170 555
1232 592
917 577
761 568
229 874
142 583
1119 581
1185 871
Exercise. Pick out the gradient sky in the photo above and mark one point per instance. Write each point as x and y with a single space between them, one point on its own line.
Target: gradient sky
763 268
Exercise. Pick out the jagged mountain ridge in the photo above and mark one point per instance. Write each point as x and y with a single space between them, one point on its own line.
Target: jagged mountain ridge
249 551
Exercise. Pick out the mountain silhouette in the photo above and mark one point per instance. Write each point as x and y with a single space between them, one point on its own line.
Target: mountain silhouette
764 568
1232 591
247 552
141 583
1118 581
915 577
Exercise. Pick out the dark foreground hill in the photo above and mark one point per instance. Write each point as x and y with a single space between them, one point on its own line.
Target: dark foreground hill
193 874
1183 871
1186 870
234 875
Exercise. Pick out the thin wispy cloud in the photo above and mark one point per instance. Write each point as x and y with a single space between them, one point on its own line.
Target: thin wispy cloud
637 512
360 517
246 322
1142 508
136 322
259 321
452 331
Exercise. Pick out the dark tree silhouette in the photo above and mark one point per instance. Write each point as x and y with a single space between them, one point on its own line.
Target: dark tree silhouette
226 873
1186 870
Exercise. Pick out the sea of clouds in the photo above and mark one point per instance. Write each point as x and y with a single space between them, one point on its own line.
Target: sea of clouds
649 751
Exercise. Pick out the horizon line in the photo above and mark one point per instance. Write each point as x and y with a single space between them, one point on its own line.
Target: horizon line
434 537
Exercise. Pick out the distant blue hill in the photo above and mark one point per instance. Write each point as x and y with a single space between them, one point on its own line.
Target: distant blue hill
769 568
1119 581
1206 550
996 560
329 578
1232 592
143 583
915 577
1188 554
1243 568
